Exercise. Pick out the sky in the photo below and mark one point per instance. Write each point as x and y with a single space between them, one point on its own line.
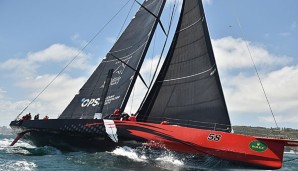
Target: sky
39 38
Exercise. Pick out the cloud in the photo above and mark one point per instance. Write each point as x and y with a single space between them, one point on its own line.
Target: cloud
242 89
33 72
232 53
50 57
57 96
52 102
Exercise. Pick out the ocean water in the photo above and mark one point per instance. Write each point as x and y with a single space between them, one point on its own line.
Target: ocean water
24 156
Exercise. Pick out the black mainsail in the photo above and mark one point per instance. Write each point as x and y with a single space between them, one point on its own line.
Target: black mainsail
131 49
187 90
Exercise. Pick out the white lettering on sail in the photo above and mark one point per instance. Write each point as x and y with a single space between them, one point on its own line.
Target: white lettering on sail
109 99
120 69
95 102
115 80
90 102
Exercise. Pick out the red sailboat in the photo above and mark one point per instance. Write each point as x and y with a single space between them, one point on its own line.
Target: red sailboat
184 110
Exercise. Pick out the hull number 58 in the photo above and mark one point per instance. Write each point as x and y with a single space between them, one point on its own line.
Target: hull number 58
214 137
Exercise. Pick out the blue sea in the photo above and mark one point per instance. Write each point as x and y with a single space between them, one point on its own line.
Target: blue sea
24 156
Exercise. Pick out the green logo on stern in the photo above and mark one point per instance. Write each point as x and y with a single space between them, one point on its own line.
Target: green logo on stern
258 146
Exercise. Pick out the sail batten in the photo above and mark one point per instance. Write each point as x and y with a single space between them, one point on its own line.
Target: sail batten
188 88
130 48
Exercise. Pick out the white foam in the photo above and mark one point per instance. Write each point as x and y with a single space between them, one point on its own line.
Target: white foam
129 153
6 143
170 159
18 165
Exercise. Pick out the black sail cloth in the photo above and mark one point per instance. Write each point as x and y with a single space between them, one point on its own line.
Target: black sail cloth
187 90
131 48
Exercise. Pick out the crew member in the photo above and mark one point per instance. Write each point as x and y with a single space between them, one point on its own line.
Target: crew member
116 114
36 117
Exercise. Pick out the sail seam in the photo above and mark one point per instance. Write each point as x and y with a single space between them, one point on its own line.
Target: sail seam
185 45
186 12
188 81
126 55
191 59
121 49
185 28
200 73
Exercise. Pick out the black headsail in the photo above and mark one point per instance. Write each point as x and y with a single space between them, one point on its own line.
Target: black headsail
130 48
187 90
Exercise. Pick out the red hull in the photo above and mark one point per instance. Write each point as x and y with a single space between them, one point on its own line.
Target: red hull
264 152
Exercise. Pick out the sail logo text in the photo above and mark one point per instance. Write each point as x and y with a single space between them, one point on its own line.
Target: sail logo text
95 102
90 102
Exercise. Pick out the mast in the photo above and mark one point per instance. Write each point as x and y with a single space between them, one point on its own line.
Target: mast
157 17
130 48
187 90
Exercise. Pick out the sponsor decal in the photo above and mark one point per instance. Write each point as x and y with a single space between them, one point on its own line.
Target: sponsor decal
258 146
90 102
95 102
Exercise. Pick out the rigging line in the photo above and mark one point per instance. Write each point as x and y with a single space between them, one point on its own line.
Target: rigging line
153 51
133 94
252 59
125 20
163 49
159 60
158 19
70 62
130 68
